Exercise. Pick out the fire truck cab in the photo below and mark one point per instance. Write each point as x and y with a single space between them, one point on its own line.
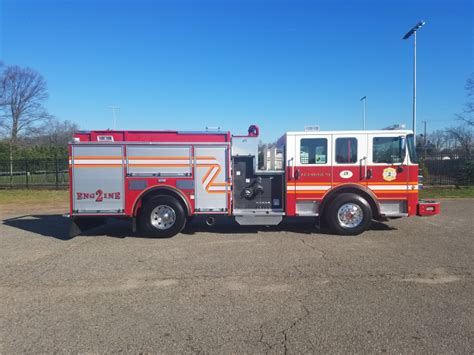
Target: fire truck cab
161 179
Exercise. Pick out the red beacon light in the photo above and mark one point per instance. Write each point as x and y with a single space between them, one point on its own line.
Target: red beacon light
253 131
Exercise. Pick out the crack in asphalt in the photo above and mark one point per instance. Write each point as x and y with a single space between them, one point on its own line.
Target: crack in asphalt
321 252
283 334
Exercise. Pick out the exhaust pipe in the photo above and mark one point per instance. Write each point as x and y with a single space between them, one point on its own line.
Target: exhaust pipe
210 221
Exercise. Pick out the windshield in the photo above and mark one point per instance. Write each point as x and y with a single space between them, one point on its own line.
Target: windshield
411 149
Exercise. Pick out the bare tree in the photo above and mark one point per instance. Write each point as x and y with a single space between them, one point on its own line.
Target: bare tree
468 114
22 96
463 137
438 140
22 93
56 133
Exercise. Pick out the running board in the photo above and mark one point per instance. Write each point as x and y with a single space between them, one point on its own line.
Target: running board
258 220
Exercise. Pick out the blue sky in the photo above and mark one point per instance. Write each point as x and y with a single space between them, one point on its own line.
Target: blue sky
280 64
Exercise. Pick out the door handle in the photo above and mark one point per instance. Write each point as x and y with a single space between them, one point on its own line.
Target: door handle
297 174
292 169
369 174
366 170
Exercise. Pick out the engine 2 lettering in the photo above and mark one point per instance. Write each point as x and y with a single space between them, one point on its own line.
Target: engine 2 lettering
98 196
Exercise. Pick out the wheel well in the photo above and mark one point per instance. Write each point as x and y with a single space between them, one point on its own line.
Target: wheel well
160 191
368 196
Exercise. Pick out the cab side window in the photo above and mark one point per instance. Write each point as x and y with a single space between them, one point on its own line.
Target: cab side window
346 150
314 151
388 150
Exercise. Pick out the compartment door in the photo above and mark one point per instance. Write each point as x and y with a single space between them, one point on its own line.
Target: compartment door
211 178
98 179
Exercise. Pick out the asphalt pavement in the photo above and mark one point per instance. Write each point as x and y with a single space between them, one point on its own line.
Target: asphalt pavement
405 286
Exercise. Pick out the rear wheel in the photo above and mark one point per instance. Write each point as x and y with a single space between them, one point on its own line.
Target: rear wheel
349 214
162 217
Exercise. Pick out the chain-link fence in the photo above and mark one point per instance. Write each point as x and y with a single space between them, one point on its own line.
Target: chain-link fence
26 173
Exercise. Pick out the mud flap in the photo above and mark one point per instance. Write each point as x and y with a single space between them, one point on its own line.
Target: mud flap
79 225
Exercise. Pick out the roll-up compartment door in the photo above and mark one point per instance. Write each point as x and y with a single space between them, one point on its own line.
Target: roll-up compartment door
211 178
98 179
159 161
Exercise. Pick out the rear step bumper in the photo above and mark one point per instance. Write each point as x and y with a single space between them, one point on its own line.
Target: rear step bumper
428 208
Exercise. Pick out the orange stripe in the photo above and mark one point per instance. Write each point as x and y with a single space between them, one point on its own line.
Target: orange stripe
157 158
76 166
205 165
96 157
220 184
204 158
309 198
381 192
392 198
368 182
160 165
310 192
206 175
392 183
213 178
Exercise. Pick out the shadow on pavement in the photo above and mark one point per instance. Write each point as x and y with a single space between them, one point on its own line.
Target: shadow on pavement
57 226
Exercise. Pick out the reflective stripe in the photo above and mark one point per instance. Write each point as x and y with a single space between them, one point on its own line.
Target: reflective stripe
97 166
157 161
311 187
393 187
97 161
98 157
378 192
136 157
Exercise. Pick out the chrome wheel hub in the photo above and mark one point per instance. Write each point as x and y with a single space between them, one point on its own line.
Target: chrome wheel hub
350 215
163 217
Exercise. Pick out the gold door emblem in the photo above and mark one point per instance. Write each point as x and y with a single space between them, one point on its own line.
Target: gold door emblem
389 174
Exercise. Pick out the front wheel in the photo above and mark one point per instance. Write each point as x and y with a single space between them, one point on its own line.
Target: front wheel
349 214
162 217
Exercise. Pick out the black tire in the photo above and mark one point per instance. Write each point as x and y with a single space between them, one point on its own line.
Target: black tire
159 229
337 226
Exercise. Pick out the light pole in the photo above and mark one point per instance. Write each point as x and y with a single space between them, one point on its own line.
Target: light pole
114 108
364 99
408 35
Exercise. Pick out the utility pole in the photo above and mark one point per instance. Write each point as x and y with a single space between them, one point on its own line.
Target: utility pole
424 136
424 130
114 108
408 35
364 99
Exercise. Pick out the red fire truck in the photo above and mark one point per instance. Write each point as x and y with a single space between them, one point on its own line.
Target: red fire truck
161 179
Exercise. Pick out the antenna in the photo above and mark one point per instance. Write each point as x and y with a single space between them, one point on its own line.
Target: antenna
114 108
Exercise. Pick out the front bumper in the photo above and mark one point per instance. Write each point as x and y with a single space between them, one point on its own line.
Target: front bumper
428 208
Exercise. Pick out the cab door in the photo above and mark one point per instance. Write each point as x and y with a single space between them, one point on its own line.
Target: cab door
389 171
349 159
311 176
